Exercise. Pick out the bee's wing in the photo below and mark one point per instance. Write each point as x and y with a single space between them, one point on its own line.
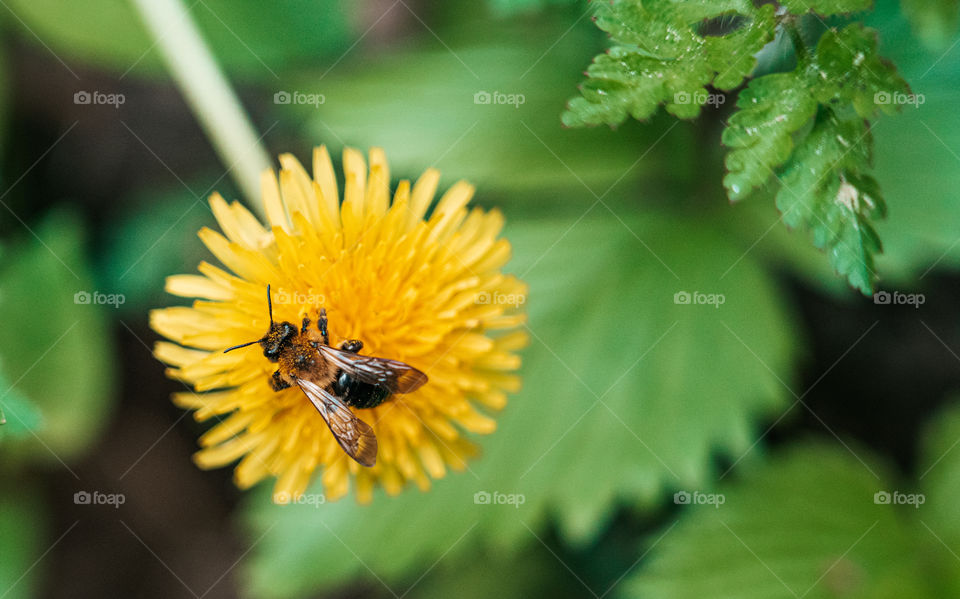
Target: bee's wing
395 376
354 435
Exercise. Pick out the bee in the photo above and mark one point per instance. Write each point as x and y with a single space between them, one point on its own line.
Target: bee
334 380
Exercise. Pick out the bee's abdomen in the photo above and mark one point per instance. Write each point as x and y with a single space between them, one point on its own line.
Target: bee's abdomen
359 395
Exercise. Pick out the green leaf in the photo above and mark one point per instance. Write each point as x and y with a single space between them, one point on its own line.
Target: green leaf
609 414
23 528
18 415
832 540
772 108
934 21
508 147
849 70
916 158
530 572
757 225
939 473
661 58
826 7
514 7
826 192
151 238
732 56
841 532
251 39
53 344
824 184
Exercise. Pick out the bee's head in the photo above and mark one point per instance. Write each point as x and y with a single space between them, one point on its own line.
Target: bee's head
278 335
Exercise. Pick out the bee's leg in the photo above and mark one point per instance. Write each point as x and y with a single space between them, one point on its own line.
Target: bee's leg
278 383
352 345
305 325
322 325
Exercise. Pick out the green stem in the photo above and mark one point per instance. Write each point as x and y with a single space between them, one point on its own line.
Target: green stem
208 93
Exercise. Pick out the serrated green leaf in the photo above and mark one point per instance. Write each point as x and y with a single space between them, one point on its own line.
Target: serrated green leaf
623 83
831 539
826 192
732 56
849 70
569 454
826 7
846 70
772 108
661 58
824 185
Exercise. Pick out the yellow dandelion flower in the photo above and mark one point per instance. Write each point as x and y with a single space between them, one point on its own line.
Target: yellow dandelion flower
425 291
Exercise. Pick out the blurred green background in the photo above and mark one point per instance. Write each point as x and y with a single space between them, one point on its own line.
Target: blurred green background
797 401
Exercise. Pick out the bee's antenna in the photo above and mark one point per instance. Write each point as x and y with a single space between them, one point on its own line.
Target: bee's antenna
241 345
270 310
270 306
